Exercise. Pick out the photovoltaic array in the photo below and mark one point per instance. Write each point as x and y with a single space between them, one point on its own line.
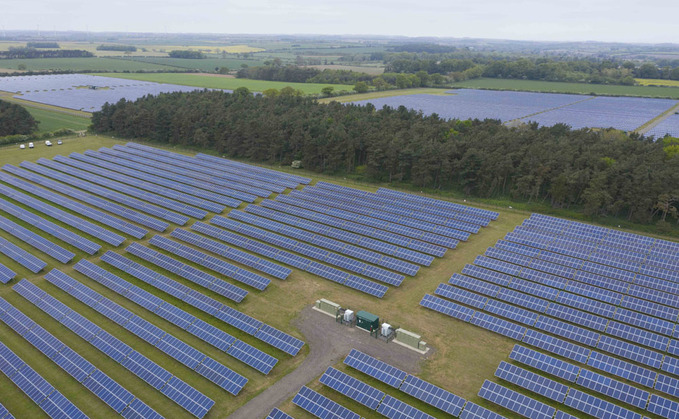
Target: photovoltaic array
599 297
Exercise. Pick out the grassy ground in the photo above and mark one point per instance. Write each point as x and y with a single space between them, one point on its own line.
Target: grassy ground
206 65
384 93
375 70
576 88
463 356
51 120
82 64
226 83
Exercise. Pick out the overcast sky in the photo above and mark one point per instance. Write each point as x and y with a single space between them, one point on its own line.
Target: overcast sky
570 20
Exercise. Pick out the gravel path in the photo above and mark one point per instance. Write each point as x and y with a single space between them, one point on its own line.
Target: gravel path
328 343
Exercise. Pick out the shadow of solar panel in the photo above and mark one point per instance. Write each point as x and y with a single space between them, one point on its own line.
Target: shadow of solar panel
375 368
353 388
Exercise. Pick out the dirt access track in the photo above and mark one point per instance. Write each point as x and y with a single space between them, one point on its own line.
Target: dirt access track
328 344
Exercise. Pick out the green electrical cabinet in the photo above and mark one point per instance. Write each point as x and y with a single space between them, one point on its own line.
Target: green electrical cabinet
367 321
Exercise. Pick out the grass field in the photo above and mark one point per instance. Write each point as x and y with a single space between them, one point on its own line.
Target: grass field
82 64
463 355
51 121
576 88
142 49
374 70
657 82
205 65
225 83
385 93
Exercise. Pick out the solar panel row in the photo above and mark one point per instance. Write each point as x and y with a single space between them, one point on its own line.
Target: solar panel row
191 164
321 406
460 221
162 380
41 392
77 207
65 217
322 241
210 306
320 213
103 181
193 190
50 228
337 200
38 242
215 264
190 273
516 402
6 274
299 179
21 256
276 413
353 388
192 202
145 330
231 253
436 203
336 233
337 246
108 194
217 190
291 259
109 391
4 413
347 212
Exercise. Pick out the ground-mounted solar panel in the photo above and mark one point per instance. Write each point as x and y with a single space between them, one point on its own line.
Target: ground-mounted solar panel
623 369
107 194
276 413
436 203
42 393
447 307
569 331
6 274
461 296
320 406
663 407
630 351
557 346
597 407
353 388
533 382
474 411
280 340
136 363
612 388
21 256
36 241
275 174
498 325
4 413
188 272
253 357
433 395
375 368
516 402
72 193
545 363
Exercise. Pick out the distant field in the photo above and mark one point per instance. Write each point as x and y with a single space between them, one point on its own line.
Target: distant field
658 82
225 83
576 88
52 120
360 69
384 93
82 64
150 49
205 65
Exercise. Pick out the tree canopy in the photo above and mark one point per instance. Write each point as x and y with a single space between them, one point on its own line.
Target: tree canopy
15 119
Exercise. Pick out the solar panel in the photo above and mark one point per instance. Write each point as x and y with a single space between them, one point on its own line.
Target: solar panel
545 363
396 409
622 369
353 388
21 256
446 307
516 402
252 356
531 381
280 340
35 387
276 413
613 388
6 274
320 406
474 411
4 413
663 407
557 346
597 407
498 325
38 242
433 395
375 368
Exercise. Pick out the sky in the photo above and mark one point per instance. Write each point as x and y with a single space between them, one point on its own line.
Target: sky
653 21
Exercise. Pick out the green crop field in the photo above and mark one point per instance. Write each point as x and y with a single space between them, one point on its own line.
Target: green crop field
82 64
53 120
206 65
576 88
463 355
215 82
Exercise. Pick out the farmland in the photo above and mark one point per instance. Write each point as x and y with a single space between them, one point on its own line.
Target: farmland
143 49
50 121
657 82
225 83
82 64
574 88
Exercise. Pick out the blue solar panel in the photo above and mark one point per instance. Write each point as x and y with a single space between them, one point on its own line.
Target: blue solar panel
396 409
546 363
375 368
38 242
320 406
446 307
6 274
597 407
433 395
21 256
353 388
4 413
663 407
516 402
613 388
252 356
276 413
498 325
623 369
531 381
557 346
474 411
280 340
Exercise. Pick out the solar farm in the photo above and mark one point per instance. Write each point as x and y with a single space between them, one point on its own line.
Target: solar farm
82 92
578 111
136 281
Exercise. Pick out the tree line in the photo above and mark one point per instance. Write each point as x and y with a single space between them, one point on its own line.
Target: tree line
15 120
124 48
597 172
188 54
23 52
